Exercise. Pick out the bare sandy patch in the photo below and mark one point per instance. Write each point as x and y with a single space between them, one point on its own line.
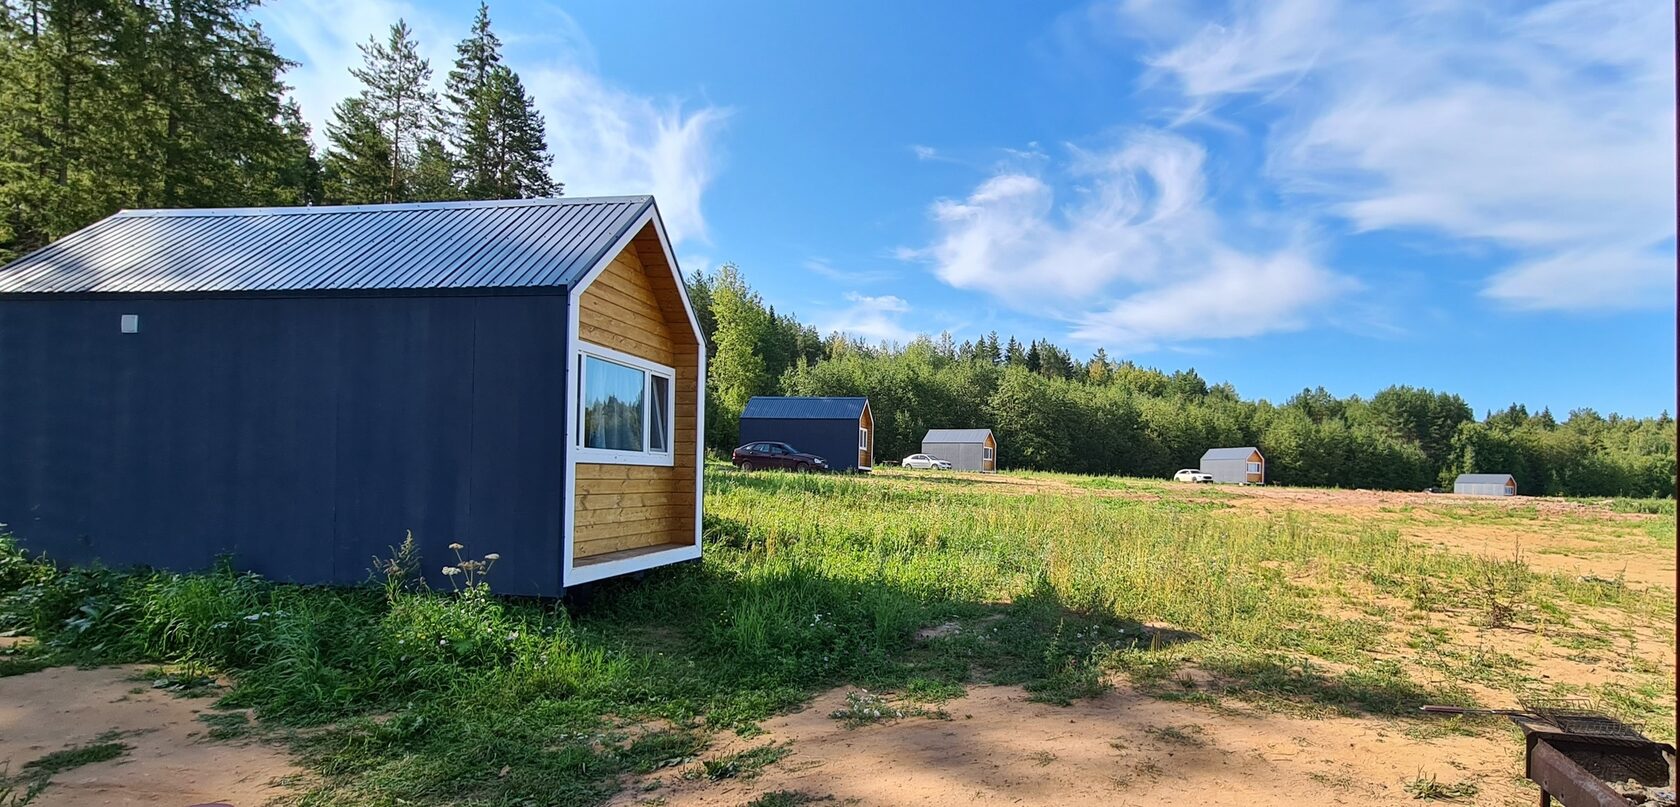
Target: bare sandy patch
169 760
1124 748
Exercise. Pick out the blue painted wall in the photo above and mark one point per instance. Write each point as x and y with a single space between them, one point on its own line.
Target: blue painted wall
833 440
301 436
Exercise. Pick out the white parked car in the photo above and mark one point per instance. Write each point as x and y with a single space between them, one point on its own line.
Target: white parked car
1192 475
926 461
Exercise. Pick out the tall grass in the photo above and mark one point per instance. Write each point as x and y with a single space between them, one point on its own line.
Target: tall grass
809 582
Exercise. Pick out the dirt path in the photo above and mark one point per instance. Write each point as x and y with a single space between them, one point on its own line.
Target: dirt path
169 761
1122 749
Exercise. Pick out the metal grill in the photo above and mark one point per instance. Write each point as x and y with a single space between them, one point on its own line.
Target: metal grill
1617 765
1575 717
1574 753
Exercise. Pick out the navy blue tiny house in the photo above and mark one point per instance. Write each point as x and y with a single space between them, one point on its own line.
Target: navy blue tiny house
297 388
840 430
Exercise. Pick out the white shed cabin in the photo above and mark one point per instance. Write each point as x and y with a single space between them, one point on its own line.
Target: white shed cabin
1485 485
965 449
1237 466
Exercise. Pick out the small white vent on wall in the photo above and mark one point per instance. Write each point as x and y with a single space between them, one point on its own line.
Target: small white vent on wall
131 323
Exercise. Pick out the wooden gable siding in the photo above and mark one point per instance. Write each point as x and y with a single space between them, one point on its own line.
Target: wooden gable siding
634 306
866 454
1259 477
989 464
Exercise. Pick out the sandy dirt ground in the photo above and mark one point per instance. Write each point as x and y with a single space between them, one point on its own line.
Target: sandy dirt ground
168 762
1124 748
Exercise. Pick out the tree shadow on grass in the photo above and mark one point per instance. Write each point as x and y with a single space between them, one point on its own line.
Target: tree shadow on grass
1278 682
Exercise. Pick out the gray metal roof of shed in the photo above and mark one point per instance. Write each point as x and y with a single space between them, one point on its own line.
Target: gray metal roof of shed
1485 479
1230 453
773 408
521 243
956 435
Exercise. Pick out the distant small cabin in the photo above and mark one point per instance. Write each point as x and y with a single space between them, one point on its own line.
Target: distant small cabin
296 388
965 449
1485 485
840 430
1237 466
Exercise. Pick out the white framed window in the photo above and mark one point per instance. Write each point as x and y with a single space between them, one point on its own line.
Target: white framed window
986 452
624 406
1254 467
863 439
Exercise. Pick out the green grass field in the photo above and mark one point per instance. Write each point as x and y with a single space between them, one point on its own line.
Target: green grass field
1064 585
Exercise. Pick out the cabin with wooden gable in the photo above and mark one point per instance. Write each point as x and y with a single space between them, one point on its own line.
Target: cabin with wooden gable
298 388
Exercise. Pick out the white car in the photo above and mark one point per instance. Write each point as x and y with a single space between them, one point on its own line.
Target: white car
926 461
1192 475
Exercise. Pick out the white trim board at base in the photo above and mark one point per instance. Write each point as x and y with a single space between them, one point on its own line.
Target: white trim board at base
591 572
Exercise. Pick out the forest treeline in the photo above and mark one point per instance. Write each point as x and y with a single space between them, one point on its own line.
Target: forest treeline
113 104
1100 415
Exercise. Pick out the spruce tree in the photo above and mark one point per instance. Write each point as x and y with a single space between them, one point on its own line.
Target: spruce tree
202 101
494 127
401 109
357 169
142 103
434 174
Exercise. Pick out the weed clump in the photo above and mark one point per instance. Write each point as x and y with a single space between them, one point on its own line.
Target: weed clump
1428 788
864 707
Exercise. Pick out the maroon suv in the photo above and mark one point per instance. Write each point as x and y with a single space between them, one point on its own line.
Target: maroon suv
753 456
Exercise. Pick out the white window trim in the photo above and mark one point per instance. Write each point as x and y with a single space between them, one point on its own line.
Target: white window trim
649 369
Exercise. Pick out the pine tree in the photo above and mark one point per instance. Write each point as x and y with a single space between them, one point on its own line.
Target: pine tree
1014 355
993 353
56 119
494 126
297 172
401 109
434 174
144 103
202 103
357 167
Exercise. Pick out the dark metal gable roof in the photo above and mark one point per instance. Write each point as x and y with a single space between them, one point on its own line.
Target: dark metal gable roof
524 243
771 408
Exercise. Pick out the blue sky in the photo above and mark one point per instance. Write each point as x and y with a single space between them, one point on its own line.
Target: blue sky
1471 196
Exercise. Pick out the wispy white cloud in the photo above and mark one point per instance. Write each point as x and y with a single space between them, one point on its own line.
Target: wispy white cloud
1233 295
886 302
605 140
924 152
690 264
1138 258
873 319
1545 131
824 268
